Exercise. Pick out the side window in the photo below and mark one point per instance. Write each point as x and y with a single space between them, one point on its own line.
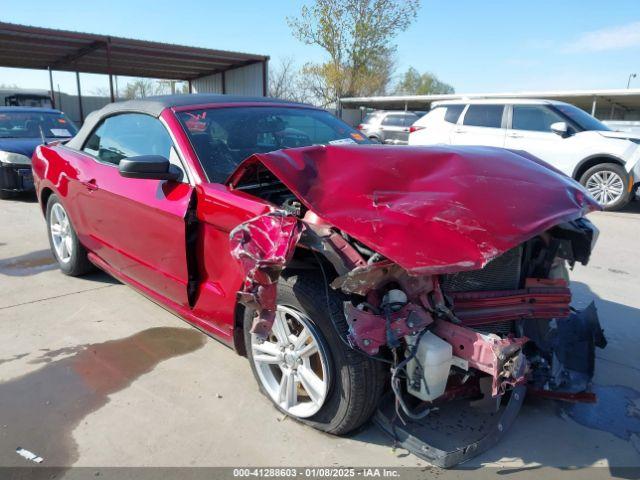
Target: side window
433 117
484 116
128 135
537 118
453 113
393 121
409 120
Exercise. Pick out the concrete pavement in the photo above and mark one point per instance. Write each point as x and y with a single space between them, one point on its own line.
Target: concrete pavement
94 374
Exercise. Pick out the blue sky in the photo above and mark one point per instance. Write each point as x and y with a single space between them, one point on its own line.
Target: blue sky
477 46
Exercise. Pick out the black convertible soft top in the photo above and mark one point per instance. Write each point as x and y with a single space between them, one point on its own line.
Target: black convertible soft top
155 105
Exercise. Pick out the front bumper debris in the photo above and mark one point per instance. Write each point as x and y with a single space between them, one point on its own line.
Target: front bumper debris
456 432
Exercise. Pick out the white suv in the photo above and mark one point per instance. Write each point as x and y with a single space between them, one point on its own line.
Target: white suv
604 161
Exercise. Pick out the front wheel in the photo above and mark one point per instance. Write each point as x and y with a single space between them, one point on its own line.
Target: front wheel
607 183
304 367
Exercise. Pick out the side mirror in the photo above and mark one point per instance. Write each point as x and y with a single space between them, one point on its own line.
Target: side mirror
560 128
147 166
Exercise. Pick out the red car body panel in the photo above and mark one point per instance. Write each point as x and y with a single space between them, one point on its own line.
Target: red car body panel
430 210
150 252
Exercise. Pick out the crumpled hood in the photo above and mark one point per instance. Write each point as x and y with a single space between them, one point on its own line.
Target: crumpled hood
429 209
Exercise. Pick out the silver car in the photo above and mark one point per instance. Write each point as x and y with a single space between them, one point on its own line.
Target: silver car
388 127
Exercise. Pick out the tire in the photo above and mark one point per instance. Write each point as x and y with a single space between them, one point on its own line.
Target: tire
616 176
72 259
355 382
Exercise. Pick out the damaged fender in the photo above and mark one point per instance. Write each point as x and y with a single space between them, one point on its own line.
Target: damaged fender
262 246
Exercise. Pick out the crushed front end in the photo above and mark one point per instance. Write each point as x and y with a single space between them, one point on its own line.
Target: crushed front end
466 298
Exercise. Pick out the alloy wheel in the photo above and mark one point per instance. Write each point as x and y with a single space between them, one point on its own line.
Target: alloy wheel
292 364
61 235
605 186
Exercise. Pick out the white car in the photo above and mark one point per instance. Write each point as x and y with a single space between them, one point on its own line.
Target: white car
604 161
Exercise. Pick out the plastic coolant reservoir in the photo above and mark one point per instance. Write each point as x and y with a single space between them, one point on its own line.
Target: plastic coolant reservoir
435 356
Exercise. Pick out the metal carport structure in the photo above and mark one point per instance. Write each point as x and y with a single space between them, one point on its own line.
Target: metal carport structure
23 46
612 104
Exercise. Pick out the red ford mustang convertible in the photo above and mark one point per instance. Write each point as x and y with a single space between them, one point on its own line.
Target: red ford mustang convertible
358 279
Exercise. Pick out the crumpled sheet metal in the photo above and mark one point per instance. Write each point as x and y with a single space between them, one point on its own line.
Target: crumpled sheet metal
502 358
431 210
263 245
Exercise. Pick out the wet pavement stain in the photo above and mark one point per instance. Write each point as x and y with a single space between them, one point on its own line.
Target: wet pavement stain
617 411
39 411
29 264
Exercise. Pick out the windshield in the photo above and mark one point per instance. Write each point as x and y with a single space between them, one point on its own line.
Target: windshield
582 118
29 125
223 137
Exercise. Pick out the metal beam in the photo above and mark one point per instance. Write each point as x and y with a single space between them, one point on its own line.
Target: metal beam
81 52
265 79
113 98
79 97
53 95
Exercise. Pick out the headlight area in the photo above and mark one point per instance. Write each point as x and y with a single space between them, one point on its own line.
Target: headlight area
15 172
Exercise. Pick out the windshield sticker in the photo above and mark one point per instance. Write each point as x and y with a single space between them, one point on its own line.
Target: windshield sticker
357 136
197 122
60 132
342 141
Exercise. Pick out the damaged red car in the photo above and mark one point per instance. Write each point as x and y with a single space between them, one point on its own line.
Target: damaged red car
360 280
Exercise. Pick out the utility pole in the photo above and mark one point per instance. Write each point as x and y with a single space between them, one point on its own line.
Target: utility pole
633 75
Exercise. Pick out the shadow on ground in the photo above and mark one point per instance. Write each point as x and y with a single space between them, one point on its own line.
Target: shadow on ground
40 261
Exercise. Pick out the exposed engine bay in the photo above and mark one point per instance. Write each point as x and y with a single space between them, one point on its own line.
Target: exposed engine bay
485 315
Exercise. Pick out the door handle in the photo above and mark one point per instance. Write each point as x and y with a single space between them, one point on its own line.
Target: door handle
90 184
514 135
460 130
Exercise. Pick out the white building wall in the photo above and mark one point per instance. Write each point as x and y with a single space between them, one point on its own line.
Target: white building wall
245 81
210 84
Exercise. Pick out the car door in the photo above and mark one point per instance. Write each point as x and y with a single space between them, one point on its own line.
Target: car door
530 130
394 129
137 226
481 124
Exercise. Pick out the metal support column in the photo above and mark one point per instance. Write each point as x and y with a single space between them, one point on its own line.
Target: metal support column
113 98
53 95
190 86
593 106
224 82
79 97
265 79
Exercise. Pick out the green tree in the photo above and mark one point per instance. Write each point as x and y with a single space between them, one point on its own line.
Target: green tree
356 35
414 83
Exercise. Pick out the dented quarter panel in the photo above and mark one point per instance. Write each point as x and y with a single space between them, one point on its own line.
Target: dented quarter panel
429 209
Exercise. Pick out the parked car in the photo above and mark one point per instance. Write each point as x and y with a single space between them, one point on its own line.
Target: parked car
388 127
21 130
28 99
341 269
604 161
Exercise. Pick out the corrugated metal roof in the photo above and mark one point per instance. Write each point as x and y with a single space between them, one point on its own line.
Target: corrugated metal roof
24 46
629 98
